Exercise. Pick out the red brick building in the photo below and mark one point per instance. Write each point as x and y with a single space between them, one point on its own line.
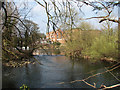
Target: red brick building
55 36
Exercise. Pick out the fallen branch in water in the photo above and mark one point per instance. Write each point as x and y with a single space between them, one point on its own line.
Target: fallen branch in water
113 86
115 65
113 75
96 74
94 86
37 61
105 67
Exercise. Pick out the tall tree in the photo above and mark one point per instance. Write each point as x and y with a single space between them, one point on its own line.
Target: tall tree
119 31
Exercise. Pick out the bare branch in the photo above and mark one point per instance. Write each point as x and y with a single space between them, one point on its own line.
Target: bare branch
105 8
40 3
113 20
89 84
92 75
113 86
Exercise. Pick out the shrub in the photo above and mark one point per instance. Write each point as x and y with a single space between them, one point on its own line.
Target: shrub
103 46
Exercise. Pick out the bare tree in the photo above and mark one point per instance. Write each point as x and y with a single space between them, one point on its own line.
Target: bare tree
18 32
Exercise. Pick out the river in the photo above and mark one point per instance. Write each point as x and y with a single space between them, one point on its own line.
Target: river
57 69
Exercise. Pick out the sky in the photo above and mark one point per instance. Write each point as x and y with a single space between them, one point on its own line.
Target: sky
38 15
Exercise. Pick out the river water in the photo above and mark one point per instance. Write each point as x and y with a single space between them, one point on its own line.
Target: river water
57 69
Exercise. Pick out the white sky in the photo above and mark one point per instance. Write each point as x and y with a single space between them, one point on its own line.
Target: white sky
38 14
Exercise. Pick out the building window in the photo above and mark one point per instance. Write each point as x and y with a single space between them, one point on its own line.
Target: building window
57 35
61 35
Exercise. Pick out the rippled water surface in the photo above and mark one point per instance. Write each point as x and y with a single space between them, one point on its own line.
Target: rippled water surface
56 69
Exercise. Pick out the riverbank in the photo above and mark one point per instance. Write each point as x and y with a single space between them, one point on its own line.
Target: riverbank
110 60
19 63
103 59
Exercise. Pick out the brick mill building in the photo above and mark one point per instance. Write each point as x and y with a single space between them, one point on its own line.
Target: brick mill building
55 36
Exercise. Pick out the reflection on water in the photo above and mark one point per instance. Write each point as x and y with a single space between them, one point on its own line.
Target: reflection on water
56 69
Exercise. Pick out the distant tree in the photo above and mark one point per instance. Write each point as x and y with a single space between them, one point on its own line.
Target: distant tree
30 34
17 33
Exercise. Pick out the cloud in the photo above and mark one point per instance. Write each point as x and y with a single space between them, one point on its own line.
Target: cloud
38 9
22 0
39 16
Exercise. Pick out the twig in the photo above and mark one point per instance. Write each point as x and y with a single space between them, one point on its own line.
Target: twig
113 86
115 65
40 3
113 75
37 61
92 75
113 20
12 53
89 84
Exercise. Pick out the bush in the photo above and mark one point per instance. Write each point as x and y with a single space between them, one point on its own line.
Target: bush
56 51
57 43
105 46
81 40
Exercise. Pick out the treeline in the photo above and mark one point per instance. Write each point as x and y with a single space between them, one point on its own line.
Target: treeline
20 36
86 42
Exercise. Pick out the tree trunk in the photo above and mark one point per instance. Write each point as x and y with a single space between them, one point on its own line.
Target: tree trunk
119 32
